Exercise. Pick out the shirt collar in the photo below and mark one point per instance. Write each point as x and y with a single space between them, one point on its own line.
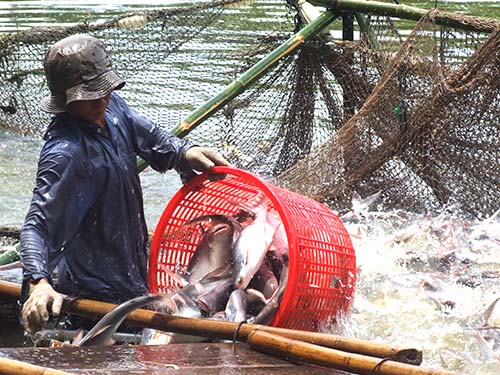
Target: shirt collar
85 126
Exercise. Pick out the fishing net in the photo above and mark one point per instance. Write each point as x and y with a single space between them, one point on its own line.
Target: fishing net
426 137
411 118
173 60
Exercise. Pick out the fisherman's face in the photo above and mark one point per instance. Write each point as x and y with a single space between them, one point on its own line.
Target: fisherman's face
90 110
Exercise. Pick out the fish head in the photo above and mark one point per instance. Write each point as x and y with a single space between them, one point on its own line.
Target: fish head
220 242
240 282
219 232
244 217
215 247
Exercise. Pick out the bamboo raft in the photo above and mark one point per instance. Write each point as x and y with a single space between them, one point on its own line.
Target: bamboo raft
212 358
259 350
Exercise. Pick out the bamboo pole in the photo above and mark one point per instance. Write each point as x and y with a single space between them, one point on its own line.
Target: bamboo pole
226 330
253 74
462 22
14 367
458 21
299 351
365 28
241 83
9 256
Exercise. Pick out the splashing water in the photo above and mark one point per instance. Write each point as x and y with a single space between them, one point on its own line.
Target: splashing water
425 282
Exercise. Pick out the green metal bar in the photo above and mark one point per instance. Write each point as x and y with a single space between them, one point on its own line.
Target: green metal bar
443 18
364 27
253 74
248 78
9 256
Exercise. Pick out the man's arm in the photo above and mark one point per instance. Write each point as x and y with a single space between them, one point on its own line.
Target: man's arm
61 198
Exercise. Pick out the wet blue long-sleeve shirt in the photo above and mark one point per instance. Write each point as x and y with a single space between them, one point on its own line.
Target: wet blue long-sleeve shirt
86 215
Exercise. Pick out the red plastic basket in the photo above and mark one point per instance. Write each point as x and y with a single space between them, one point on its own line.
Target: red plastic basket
322 261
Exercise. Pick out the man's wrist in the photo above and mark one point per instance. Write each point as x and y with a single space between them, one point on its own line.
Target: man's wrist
41 280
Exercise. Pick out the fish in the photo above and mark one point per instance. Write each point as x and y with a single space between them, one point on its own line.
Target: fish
252 244
102 332
184 305
264 281
206 284
488 335
236 307
215 248
233 269
360 205
266 315
215 299
486 351
156 337
439 292
279 244
150 336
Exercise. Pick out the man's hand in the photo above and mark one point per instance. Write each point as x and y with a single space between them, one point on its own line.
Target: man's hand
36 309
202 159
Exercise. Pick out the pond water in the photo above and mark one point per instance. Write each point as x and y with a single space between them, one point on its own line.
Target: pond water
423 281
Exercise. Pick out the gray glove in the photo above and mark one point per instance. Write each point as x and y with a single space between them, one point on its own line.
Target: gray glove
203 159
36 309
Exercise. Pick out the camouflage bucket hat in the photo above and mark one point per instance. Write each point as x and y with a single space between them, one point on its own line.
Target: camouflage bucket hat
78 68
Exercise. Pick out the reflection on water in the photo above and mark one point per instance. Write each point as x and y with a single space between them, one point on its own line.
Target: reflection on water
22 15
18 160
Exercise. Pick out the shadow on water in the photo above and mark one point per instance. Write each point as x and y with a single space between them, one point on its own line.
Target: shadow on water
12 333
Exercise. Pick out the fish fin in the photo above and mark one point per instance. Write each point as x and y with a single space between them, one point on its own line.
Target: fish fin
78 337
169 303
89 340
487 314
176 277
110 322
485 349
257 294
252 204
103 332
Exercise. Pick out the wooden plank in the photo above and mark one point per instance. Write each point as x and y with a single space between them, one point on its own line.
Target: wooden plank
205 358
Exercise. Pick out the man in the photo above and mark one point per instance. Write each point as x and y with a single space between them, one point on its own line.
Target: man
86 216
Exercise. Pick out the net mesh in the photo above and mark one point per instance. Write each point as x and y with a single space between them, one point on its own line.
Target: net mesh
426 137
413 118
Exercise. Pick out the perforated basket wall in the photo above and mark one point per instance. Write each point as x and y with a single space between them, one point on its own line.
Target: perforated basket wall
322 262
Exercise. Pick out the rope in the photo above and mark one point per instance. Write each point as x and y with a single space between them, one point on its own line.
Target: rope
236 333
376 369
